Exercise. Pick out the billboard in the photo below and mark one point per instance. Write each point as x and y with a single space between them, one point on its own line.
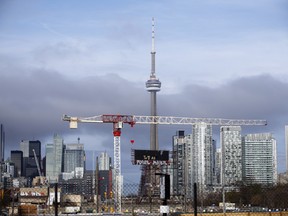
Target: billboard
150 157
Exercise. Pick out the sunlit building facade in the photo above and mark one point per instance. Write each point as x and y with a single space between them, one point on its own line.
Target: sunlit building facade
259 159
202 154
231 169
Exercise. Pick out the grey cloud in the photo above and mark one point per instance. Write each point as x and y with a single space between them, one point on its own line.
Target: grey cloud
32 105
258 96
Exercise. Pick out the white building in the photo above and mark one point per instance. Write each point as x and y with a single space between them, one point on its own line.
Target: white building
231 170
104 161
259 159
202 154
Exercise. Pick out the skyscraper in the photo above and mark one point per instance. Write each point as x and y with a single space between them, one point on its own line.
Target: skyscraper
74 159
54 159
29 161
202 154
24 147
17 159
180 163
231 170
259 159
153 85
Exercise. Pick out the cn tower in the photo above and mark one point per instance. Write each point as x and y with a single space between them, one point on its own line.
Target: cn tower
153 86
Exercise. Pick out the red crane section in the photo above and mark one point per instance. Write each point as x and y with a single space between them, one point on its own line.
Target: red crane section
129 119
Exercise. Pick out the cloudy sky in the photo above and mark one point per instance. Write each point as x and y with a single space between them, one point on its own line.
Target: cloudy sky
220 58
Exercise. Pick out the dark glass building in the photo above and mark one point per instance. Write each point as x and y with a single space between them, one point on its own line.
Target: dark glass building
17 159
29 161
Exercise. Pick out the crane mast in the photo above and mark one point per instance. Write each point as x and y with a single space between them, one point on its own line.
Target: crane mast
118 121
38 167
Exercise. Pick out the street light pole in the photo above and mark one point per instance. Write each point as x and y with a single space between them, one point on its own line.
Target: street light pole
164 192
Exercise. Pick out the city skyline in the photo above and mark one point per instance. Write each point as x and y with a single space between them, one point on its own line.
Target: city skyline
73 145
215 59
198 143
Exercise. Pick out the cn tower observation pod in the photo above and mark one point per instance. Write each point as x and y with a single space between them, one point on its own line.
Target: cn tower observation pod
153 85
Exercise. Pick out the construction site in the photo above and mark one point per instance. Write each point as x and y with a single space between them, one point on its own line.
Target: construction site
155 194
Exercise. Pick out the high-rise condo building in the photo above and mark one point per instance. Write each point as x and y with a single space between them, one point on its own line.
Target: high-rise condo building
259 159
202 154
231 170
54 159
194 160
181 162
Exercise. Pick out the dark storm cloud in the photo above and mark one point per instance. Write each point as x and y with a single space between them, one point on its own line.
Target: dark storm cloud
32 106
33 103
245 98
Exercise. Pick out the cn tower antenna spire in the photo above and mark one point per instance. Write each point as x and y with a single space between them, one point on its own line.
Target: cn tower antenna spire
153 85
153 36
153 52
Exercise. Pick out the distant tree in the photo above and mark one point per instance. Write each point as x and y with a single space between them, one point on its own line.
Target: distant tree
270 196
233 197
257 200
212 198
278 196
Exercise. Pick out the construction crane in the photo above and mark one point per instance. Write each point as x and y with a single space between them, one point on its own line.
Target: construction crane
38 168
134 119
119 120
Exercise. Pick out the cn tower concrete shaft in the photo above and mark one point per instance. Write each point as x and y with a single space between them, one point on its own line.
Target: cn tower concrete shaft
154 127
